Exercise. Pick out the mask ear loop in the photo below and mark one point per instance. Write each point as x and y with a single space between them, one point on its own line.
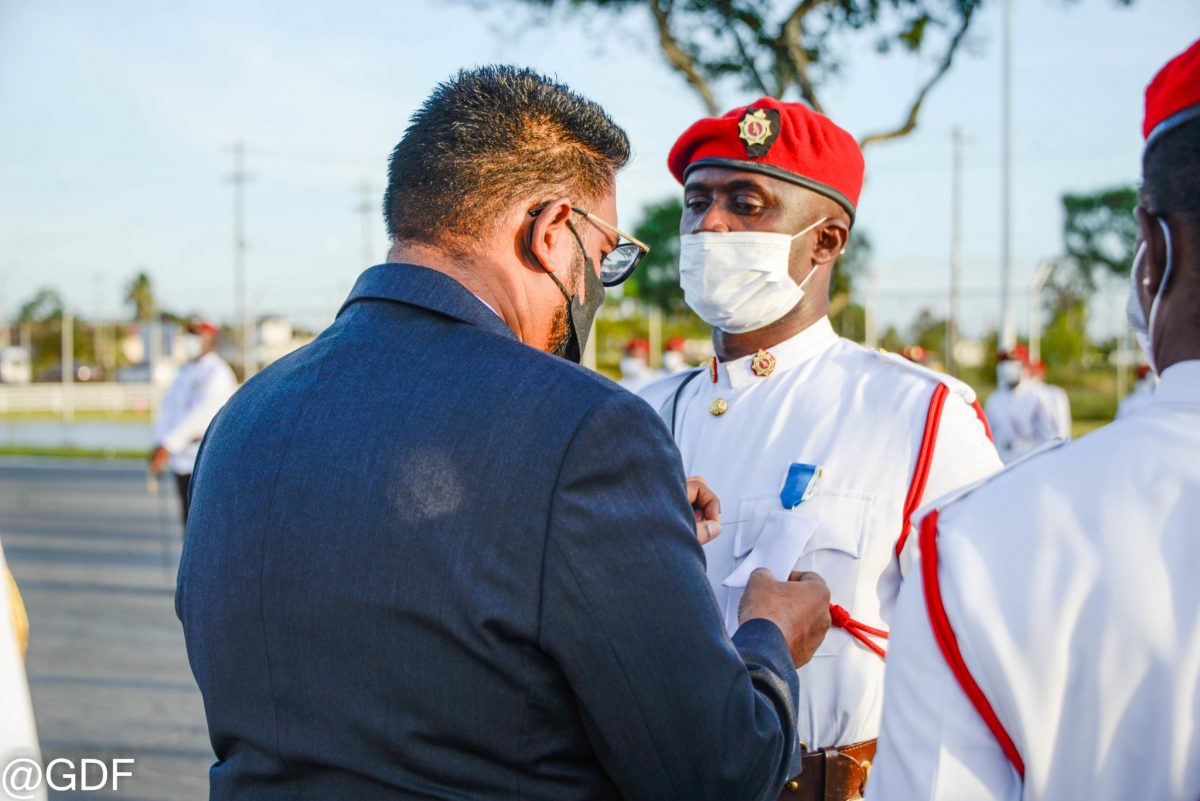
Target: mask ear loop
802 233
1162 285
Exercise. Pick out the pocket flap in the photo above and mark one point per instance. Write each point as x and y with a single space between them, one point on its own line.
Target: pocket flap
779 545
843 518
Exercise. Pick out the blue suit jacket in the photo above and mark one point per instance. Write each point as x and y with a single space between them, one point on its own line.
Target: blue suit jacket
427 561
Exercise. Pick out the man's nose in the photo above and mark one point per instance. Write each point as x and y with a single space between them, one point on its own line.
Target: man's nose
714 221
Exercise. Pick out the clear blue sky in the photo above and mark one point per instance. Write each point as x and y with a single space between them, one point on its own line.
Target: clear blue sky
118 118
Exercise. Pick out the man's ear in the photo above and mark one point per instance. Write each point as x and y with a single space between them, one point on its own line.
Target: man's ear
831 241
1154 258
547 236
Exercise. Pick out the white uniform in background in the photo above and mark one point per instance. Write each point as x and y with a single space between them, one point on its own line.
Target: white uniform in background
1057 405
198 392
18 735
1021 419
1064 592
887 435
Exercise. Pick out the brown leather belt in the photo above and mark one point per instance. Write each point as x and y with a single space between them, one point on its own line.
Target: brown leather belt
832 774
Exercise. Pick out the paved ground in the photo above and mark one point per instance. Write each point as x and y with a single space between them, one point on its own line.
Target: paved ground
107 665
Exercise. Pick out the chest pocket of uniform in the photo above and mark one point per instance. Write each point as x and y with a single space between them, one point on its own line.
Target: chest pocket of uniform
835 549
769 536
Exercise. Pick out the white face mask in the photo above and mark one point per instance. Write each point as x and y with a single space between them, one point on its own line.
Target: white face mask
739 281
1133 307
192 347
1008 373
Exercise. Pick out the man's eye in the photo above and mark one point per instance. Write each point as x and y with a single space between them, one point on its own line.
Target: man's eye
695 204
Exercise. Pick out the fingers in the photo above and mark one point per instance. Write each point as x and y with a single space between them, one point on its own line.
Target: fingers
707 530
703 500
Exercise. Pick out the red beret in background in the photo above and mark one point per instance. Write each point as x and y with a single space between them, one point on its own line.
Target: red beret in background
202 327
1174 94
788 141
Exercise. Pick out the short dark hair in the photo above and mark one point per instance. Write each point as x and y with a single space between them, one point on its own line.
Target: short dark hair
491 137
1171 171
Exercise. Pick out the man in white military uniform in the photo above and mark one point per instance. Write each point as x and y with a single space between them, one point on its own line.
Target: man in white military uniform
1022 417
18 736
819 449
1051 648
198 392
1054 399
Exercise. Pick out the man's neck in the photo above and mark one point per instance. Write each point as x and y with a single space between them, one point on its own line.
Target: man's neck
483 280
734 346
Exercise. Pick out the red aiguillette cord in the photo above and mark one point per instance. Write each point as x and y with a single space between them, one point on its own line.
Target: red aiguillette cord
841 619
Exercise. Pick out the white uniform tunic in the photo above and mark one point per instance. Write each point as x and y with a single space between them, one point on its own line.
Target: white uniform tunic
198 392
1021 420
18 738
1068 585
860 416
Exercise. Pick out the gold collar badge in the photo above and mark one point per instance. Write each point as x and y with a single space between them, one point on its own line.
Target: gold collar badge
763 363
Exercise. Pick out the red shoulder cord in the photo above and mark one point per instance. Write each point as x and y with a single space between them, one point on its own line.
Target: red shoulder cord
841 619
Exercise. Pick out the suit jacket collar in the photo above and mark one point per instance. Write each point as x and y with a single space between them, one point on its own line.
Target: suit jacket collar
429 289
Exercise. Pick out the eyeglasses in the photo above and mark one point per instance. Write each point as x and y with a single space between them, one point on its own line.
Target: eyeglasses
620 262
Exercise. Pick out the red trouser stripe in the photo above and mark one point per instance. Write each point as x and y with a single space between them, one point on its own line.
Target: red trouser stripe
920 477
948 642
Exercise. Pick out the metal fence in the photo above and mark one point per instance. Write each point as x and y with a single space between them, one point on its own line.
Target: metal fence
66 399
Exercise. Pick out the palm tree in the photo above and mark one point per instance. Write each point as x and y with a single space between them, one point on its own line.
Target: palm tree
140 294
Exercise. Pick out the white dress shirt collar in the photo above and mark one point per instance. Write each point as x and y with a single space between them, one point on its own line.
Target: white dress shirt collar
808 344
1179 383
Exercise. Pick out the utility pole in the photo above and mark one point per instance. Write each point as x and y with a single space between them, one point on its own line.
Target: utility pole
1008 333
99 351
68 363
239 179
955 251
366 208
1035 309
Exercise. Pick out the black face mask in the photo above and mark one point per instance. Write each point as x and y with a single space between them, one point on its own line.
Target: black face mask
580 313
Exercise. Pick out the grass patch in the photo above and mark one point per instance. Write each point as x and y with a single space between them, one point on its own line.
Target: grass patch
71 453
80 416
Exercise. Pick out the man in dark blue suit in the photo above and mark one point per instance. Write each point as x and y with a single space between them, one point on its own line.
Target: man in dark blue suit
428 558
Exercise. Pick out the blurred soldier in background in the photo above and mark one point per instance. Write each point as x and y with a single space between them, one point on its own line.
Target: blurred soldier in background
856 439
1019 415
18 735
1055 401
198 392
673 358
1052 648
1143 391
635 365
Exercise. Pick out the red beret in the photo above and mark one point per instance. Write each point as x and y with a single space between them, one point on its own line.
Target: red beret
202 327
1173 96
788 141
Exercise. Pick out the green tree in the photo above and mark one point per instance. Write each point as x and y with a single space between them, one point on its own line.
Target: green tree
656 280
1099 240
774 48
1064 340
139 293
45 305
44 314
929 331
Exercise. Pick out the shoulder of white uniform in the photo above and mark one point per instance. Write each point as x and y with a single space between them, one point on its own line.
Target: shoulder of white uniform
903 366
1022 464
657 391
